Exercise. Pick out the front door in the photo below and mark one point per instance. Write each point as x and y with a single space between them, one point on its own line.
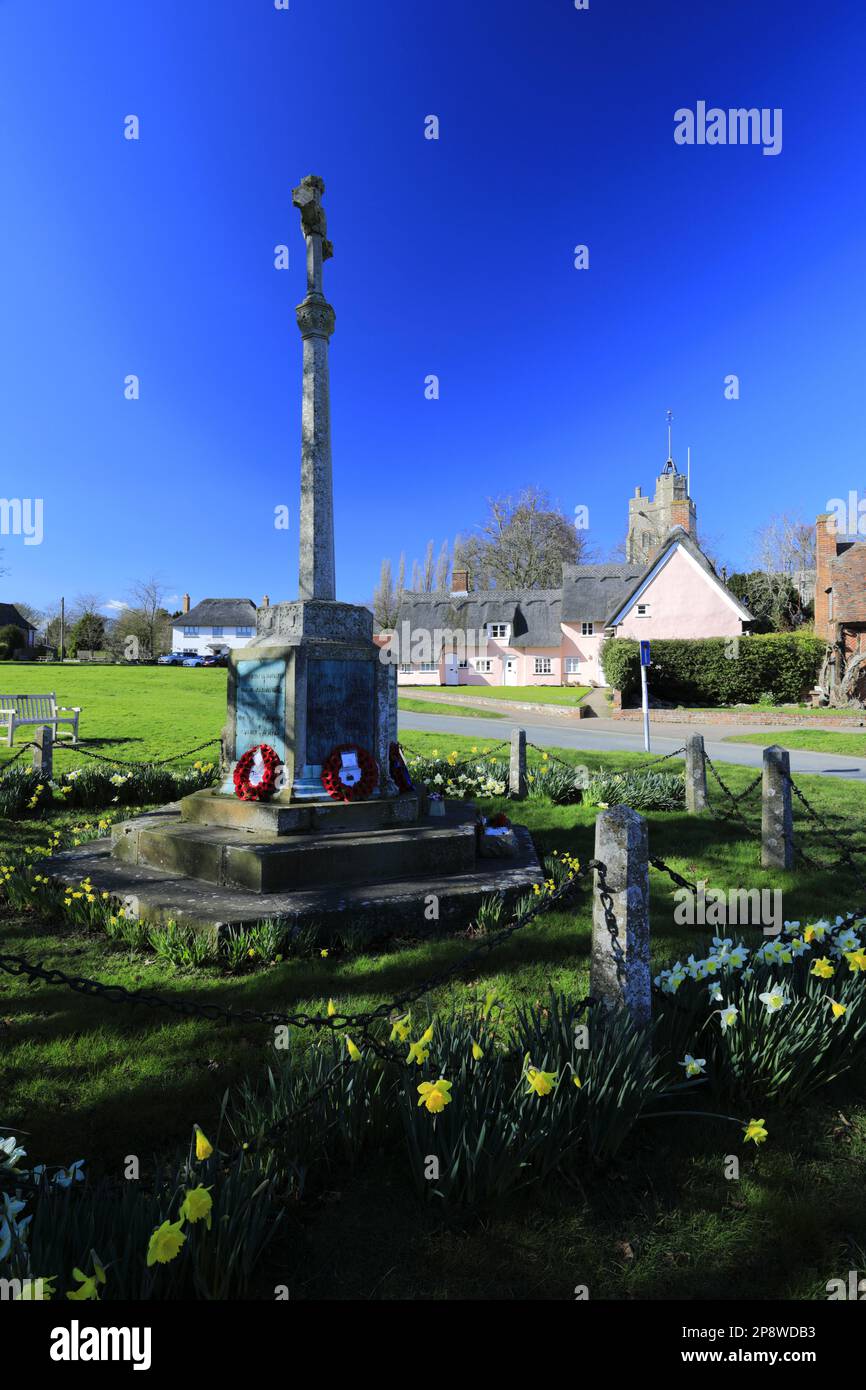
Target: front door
452 673
511 670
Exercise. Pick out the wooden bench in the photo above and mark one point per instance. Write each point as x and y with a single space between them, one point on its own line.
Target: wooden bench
16 710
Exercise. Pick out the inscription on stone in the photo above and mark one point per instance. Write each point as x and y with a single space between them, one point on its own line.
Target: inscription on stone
339 697
260 707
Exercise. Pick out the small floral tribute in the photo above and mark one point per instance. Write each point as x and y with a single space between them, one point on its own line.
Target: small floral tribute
255 776
399 771
349 773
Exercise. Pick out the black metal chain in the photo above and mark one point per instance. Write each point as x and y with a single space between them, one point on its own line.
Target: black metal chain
20 754
461 762
161 762
734 800
672 874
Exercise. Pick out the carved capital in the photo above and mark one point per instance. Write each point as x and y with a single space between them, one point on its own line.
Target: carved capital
316 318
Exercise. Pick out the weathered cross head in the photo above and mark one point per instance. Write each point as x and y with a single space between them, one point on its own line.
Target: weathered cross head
308 198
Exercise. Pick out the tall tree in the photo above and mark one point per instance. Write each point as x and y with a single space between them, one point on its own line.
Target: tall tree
385 605
524 543
443 568
784 554
151 630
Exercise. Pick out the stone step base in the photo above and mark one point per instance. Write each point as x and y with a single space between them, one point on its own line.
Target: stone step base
280 817
401 904
269 863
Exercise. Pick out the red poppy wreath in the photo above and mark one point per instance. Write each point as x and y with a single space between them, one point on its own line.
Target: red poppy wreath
255 776
349 773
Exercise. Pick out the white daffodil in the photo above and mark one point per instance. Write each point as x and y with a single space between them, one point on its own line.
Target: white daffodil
728 1017
738 957
693 1065
799 947
715 992
773 1000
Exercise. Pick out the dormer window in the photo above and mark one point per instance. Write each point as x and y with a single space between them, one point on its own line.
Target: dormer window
587 629
499 631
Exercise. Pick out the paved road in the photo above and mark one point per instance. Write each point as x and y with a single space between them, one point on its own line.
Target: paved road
591 737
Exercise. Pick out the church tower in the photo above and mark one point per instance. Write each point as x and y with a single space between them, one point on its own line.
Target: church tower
650 521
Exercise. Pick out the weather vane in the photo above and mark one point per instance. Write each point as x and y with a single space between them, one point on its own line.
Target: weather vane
669 416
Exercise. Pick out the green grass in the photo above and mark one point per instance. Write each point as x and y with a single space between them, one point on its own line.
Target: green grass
435 707
815 740
88 1078
804 712
131 712
535 694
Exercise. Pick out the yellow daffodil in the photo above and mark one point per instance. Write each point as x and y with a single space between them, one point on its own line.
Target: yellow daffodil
434 1095
165 1243
203 1146
856 960
88 1284
838 1009
541 1082
354 1050
755 1131
197 1205
822 968
477 1051
400 1028
38 1290
577 1081
332 1008
324 953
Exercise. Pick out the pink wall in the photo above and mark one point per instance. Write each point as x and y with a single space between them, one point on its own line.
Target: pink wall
683 602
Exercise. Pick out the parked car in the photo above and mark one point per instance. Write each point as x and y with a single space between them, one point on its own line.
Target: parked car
170 659
221 660
193 661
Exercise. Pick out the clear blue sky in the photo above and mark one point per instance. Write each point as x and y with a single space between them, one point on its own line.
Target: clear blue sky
452 257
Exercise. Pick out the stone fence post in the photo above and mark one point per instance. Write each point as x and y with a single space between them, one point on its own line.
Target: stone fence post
620 961
517 768
43 752
777 820
696 775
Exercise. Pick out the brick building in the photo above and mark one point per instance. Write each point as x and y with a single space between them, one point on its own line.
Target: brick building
840 605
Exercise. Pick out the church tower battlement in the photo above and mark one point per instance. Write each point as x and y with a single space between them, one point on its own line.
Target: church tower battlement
649 521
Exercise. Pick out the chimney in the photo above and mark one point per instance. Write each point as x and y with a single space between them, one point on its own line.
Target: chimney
266 601
459 583
825 553
185 603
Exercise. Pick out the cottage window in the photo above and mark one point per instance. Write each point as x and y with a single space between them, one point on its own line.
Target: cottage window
484 667
499 630
190 632
572 665
643 610
542 665
587 629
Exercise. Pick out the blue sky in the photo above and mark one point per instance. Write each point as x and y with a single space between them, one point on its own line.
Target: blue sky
452 257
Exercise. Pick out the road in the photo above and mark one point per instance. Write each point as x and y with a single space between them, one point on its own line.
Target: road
591 737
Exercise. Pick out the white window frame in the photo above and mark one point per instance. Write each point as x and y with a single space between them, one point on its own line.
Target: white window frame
572 665
499 632
484 666
190 631
540 663
428 668
587 629
642 610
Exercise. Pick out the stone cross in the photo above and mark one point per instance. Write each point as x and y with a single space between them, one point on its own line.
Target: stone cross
316 321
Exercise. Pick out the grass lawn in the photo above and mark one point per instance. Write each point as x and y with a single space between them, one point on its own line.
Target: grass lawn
434 707
132 712
535 694
816 740
86 1078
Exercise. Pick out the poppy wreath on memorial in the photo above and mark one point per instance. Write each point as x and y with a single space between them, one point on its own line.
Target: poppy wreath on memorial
248 790
332 770
398 769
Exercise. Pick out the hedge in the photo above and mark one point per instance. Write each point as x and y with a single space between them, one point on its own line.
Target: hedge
718 670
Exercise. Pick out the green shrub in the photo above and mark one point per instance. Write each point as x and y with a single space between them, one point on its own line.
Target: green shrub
718 670
643 791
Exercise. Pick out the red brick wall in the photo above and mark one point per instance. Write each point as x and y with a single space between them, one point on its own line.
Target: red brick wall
825 551
849 604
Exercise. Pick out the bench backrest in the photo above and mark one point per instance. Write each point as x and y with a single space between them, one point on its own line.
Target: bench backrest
30 706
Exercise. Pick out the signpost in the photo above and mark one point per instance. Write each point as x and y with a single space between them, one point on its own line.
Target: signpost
644 663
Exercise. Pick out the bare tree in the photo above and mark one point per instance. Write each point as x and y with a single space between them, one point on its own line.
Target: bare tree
428 568
385 603
443 568
148 603
784 553
524 542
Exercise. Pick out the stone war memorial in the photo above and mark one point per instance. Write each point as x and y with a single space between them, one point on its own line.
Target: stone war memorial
307 821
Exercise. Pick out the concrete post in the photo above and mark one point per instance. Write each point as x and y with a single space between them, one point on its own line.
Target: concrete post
777 820
620 961
696 775
517 768
43 753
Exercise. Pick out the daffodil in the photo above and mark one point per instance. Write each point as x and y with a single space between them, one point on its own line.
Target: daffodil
39 1290
856 960
541 1082
755 1131
354 1050
400 1028
477 1051
197 1205
435 1095
88 1284
773 1000
838 1009
577 1082
324 953
693 1065
203 1146
822 968
728 1017
165 1243
332 1008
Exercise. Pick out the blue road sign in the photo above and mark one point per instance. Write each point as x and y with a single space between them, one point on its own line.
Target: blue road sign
645 654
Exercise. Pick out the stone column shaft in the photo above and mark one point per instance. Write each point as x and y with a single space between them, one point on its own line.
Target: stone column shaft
620 960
